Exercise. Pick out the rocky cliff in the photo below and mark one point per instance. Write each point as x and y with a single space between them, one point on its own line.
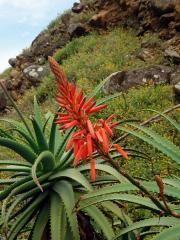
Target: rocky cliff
161 16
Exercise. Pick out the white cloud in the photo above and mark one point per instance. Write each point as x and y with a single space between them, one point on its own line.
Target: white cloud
29 10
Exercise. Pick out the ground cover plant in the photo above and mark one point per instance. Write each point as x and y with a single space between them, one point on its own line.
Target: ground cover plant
46 177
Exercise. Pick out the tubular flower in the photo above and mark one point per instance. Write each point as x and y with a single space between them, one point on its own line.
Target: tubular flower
88 137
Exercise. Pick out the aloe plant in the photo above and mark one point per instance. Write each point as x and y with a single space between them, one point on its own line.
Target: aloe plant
43 188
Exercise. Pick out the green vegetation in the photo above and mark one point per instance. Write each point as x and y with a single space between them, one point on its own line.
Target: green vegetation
5 73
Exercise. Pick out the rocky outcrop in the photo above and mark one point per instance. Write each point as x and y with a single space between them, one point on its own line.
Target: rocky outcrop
35 73
124 80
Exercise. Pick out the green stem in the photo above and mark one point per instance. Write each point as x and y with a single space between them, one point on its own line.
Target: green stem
16 108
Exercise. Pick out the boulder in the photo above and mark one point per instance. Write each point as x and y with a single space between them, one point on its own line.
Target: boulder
35 73
166 18
175 76
12 62
163 6
123 80
151 43
172 55
78 7
76 30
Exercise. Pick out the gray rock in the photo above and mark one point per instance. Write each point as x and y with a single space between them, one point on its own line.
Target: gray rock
12 62
163 6
172 55
35 73
123 80
78 7
76 30
152 43
41 61
175 76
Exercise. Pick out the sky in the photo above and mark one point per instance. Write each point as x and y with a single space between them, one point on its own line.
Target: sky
22 20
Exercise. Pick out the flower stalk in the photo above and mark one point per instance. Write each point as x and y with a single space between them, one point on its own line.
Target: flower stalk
91 137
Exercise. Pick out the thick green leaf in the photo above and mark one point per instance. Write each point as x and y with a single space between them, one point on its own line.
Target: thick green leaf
5 134
124 187
8 181
20 199
14 162
175 155
163 221
173 182
98 88
65 191
62 145
104 168
31 142
174 123
54 137
100 219
143 201
25 216
114 208
173 233
12 168
160 140
40 137
41 222
19 148
73 174
17 124
66 160
56 217
47 160
7 191
28 185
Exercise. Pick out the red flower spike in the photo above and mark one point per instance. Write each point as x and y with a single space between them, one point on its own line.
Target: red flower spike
69 125
88 103
69 142
110 118
105 140
57 70
122 152
90 128
96 109
84 154
78 156
76 147
99 137
92 170
89 145
108 129
89 136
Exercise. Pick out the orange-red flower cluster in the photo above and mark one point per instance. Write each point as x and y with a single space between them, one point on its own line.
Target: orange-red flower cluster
89 137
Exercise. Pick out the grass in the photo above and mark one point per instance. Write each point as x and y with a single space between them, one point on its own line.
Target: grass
90 59
6 73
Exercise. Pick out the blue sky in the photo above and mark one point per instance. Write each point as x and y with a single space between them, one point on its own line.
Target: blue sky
22 20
